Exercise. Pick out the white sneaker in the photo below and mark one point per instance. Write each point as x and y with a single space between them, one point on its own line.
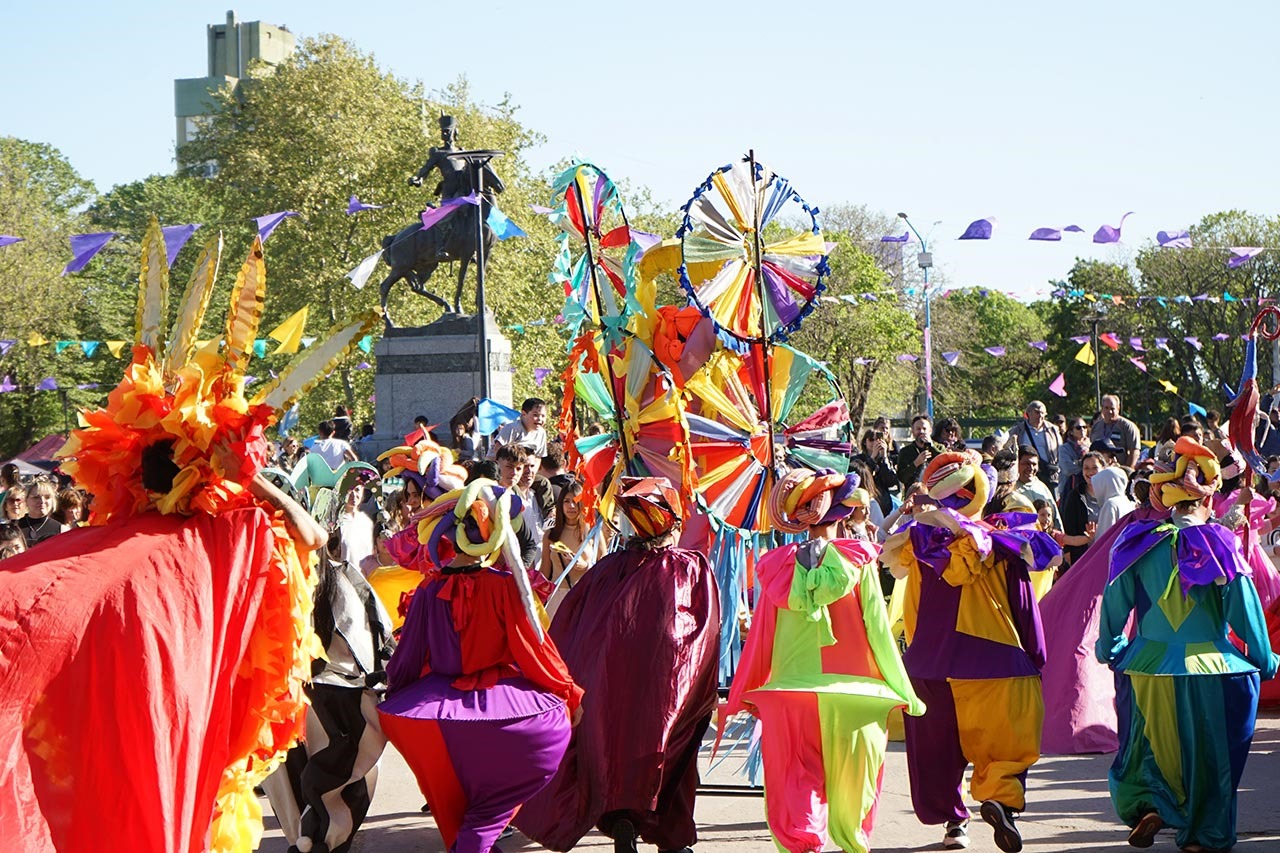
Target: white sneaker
956 835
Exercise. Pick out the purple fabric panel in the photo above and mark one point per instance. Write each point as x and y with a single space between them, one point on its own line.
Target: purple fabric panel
1022 602
1205 552
411 651
779 295
433 697
935 761
500 765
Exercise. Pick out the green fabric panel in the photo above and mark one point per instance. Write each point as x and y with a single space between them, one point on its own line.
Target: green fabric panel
852 754
698 250
591 388
817 459
801 367
796 653
812 590
1204 659
880 638
1154 697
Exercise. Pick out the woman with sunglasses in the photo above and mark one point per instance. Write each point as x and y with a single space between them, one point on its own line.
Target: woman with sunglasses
15 503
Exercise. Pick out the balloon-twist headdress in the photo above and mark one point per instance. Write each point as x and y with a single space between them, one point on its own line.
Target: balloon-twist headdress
1195 475
806 498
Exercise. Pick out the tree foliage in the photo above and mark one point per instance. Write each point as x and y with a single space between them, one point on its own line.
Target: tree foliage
42 200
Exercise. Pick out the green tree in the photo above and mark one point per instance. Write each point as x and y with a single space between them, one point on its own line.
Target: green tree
41 200
981 385
329 123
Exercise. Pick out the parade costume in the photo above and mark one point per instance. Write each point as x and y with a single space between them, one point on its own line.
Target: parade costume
633 758
322 792
1079 692
479 700
152 663
1186 696
975 649
822 672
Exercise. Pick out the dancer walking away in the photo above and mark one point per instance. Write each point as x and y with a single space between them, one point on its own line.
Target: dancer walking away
821 670
479 702
640 633
1186 696
975 649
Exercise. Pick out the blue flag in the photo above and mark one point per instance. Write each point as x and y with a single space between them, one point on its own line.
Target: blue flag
490 415
503 227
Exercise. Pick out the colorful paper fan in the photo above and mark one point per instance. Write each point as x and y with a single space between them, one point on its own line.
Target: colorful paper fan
769 278
597 257
736 442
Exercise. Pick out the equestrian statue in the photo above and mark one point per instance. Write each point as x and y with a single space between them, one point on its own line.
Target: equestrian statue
414 253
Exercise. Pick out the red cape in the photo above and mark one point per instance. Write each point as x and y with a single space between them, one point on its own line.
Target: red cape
119 698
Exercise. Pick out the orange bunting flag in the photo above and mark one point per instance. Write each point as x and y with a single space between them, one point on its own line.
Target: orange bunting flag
1110 340
1086 356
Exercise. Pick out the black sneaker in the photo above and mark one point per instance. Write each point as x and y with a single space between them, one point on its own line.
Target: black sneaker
624 836
956 835
1000 817
1144 833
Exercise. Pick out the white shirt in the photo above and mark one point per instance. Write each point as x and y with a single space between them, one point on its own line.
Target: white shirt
515 433
332 450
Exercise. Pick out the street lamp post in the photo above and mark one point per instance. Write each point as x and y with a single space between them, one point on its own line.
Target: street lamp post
924 260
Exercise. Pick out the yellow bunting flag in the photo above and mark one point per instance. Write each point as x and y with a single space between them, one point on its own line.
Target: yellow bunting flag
1086 355
36 340
289 333
116 347
1168 386
1091 297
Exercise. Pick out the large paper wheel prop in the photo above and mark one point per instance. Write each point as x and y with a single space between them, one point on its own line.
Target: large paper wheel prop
771 275
1246 428
736 443
596 261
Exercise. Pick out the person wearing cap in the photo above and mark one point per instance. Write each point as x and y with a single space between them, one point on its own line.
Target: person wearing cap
974 652
1117 431
1187 696
641 634
820 669
1036 432
479 701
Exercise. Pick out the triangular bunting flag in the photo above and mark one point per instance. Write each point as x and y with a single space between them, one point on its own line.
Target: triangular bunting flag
116 347
1085 355
289 333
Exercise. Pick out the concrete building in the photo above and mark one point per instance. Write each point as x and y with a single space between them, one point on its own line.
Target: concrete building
232 46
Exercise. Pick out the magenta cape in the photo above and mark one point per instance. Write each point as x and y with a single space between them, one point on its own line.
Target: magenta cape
640 634
1079 692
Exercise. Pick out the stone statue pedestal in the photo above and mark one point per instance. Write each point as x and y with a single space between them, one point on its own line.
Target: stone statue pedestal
434 370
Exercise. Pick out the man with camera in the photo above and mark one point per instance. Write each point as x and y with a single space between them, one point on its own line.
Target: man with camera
914 456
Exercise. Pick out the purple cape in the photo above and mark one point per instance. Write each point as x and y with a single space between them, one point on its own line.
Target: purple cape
640 634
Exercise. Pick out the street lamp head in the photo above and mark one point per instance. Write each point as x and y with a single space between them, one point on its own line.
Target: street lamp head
902 216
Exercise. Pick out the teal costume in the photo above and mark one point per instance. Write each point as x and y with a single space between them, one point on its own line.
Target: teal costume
1186 697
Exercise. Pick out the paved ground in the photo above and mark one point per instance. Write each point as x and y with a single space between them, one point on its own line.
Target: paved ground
1068 810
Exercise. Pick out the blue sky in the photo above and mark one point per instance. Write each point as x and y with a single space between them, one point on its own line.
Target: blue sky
1037 114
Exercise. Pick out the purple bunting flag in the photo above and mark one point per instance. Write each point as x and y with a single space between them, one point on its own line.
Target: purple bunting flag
1221 336
1195 342
4 346
906 356
1074 229
7 385
996 351
47 384
1051 234
1136 343
1110 233
979 229
1174 239
1200 297
268 222
432 215
1043 346
9 240
890 238
84 247
1241 255
364 365
1059 385
862 360
540 375
175 237
355 205
87 386
1163 343
951 358
541 209
1080 339
1139 363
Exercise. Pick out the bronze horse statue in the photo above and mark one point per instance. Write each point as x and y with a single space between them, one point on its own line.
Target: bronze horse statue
413 255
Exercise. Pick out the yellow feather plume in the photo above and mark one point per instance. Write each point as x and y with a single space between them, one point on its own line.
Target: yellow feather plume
195 301
305 371
153 290
246 308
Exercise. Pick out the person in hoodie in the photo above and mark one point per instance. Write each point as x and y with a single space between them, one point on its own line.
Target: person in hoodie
1110 487
1187 697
